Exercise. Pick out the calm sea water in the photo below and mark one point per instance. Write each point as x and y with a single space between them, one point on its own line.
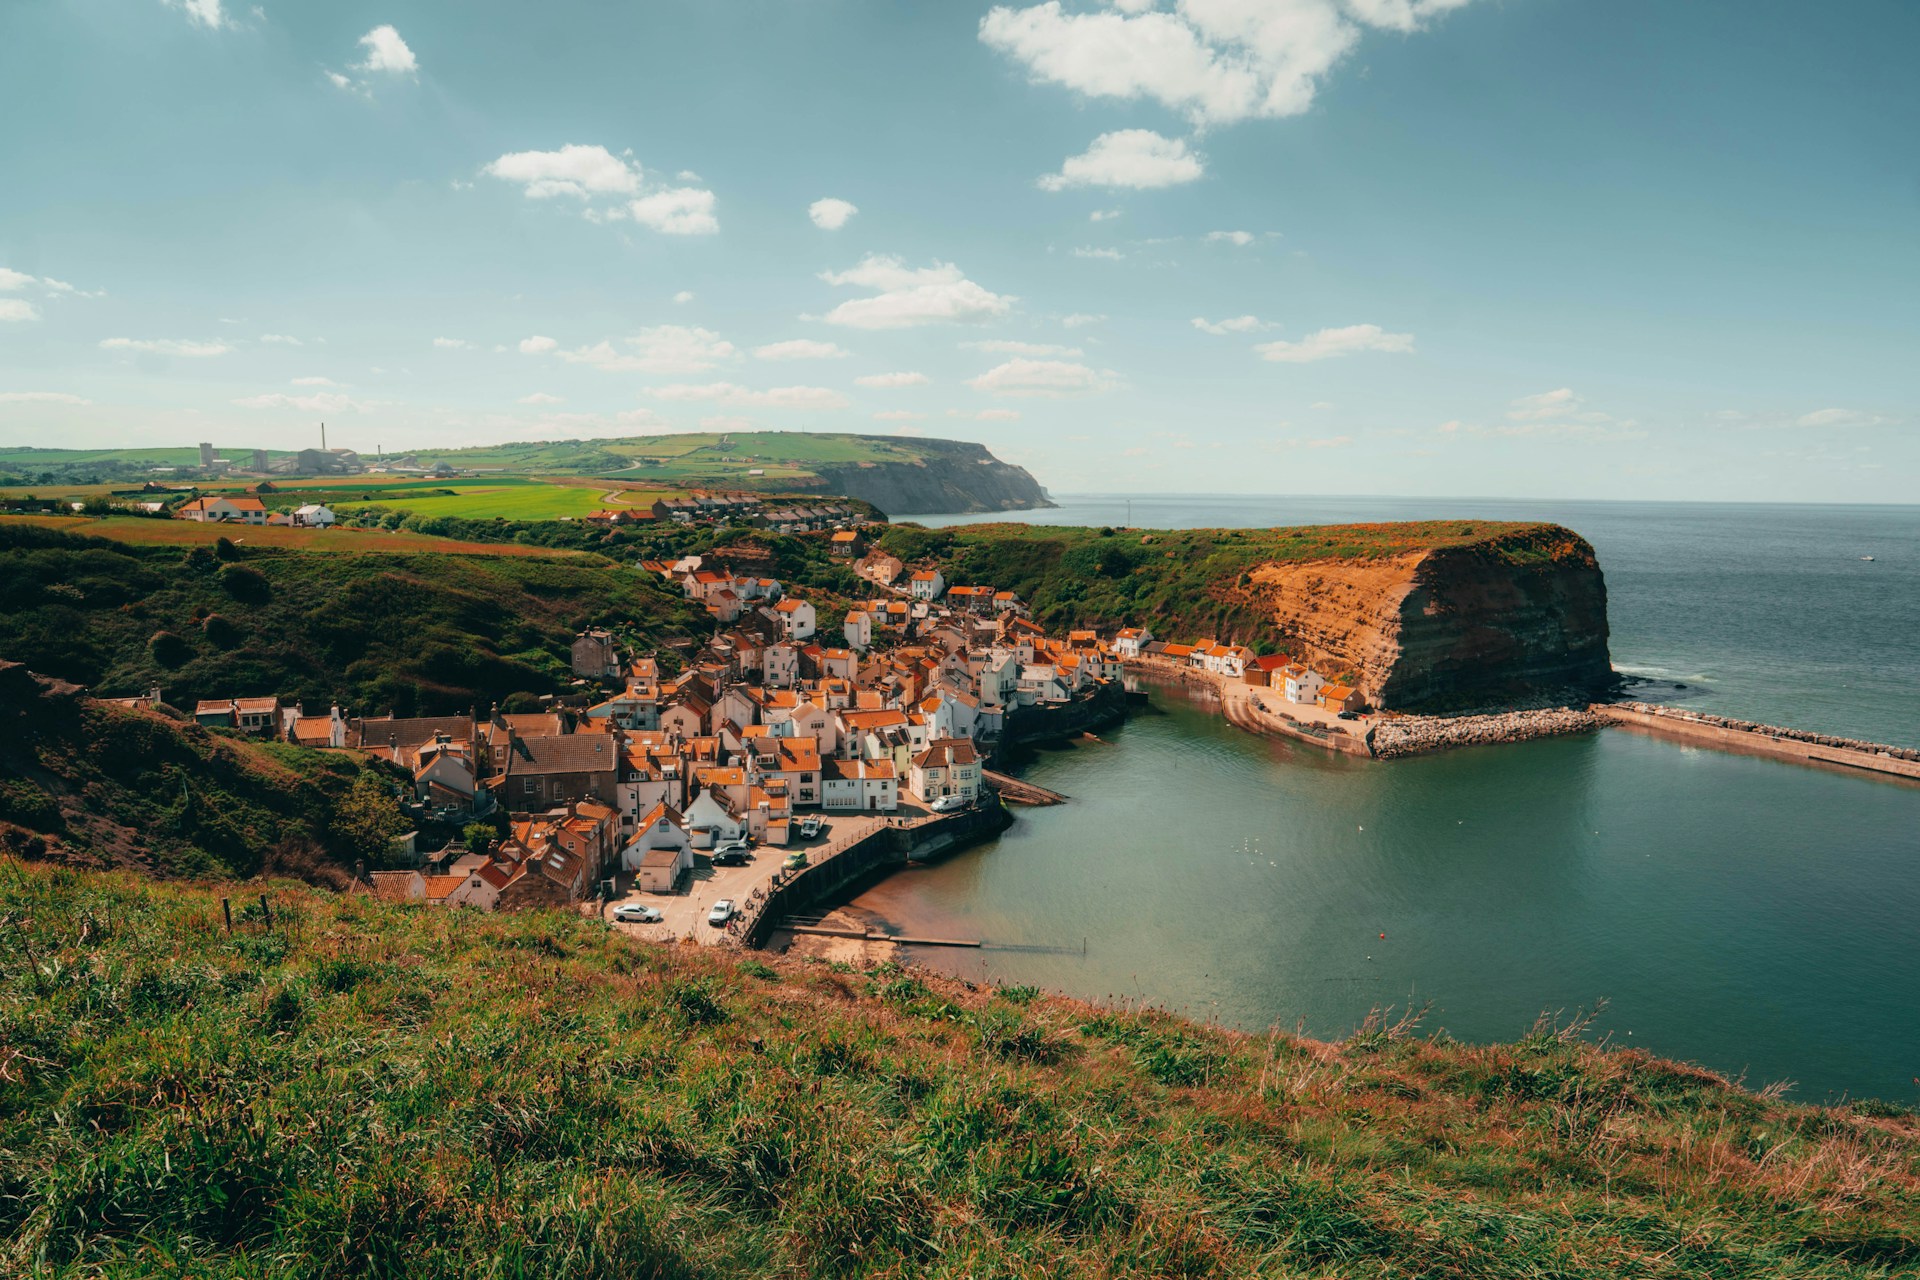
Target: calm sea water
1753 916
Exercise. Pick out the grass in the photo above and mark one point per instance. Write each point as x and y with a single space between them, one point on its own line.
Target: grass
516 502
366 1090
142 532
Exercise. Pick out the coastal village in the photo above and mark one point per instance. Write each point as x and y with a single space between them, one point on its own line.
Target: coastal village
687 799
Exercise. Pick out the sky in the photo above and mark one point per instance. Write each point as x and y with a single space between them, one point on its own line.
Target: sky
1528 248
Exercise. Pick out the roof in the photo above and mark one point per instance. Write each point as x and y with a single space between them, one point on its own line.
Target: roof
254 706
567 753
943 752
214 707
925 575
1336 692
846 535
791 605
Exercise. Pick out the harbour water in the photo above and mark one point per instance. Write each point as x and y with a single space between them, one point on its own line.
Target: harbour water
1757 917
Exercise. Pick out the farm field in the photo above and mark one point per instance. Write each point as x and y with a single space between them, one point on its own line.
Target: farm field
144 532
525 501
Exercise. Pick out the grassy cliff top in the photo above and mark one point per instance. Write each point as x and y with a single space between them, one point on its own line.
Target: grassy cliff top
1186 583
360 1089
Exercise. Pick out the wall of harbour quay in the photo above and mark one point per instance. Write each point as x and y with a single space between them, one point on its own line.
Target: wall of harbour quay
1772 741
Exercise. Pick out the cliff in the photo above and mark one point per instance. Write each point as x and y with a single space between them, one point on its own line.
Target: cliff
954 475
1518 613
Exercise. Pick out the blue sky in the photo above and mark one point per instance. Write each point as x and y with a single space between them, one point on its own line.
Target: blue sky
1543 248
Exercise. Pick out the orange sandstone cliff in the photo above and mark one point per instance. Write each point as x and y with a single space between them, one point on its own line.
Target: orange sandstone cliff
1517 614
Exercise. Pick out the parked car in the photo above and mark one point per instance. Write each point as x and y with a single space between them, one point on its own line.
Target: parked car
810 826
949 804
738 845
636 913
721 913
732 857
796 860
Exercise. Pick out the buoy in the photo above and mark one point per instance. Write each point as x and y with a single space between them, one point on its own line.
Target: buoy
1383 935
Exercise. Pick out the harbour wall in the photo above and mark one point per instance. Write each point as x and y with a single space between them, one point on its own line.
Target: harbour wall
1771 741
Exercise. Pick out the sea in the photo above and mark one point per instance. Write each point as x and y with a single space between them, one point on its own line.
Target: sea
1759 918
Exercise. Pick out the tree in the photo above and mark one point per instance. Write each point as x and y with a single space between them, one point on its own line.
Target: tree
367 818
477 836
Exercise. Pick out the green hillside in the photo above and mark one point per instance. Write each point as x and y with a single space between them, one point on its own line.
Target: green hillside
416 632
365 1090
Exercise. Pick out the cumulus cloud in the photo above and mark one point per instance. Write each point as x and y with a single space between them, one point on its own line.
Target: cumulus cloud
450 344
801 349
536 344
1137 158
1324 442
898 415
319 402
166 347
541 397
665 348
1238 324
831 214
573 170
1548 404
17 310
734 396
684 296
1011 347
1329 343
12 281
387 53
997 415
1103 215
903 379
1087 251
206 13
281 340
682 211
41 397
907 296
1080 319
1215 61
1024 377
1240 239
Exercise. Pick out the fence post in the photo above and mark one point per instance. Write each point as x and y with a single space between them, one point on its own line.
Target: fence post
226 909
266 910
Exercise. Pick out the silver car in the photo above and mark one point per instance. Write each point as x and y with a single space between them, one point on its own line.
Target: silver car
721 913
637 913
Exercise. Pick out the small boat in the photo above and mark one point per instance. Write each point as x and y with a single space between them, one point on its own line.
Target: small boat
1866 557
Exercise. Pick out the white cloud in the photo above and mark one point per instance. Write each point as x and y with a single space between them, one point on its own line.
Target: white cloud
665 348
801 349
314 382
683 211
340 81
1325 442
41 397
1321 404
1103 215
17 309
1328 343
387 52
1009 347
891 380
541 397
1838 418
207 13
1087 251
166 346
536 344
573 170
734 396
450 344
1080 319
684 296
281 340
1238 324
1548 404
1240 239
1136 158
13 281
1023 377
899 415
1213 60
831 214
320 402
907 296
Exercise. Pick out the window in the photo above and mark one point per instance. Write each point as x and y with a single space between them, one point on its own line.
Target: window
531 786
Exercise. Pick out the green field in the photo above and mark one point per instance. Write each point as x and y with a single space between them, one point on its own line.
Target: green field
519 501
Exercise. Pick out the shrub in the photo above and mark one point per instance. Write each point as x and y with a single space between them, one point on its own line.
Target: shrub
169 649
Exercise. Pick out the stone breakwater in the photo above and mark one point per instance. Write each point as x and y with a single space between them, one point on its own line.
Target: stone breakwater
1413 735
1771 730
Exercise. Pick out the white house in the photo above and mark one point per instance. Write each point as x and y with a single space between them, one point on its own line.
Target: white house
710 820
796 618
927 584
1304 684
661 849
218 510
866 786
948 767
1131 641
313 515
858 629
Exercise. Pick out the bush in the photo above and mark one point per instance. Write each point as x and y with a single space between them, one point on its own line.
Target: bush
243 583
169 649
221 631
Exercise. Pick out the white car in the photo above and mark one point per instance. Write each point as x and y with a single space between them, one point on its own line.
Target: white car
721 913
949 804
810 826
637 913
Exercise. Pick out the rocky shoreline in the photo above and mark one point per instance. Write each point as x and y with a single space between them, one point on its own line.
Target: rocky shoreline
1415 735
